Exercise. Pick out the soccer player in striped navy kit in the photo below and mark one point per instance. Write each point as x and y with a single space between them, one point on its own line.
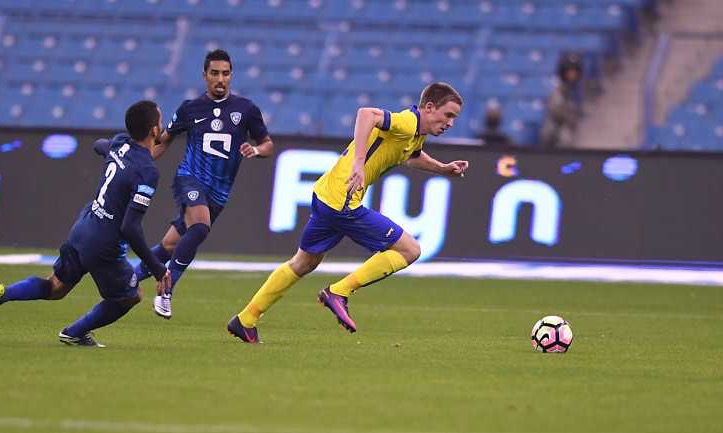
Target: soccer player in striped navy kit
217 125
390 139
98 242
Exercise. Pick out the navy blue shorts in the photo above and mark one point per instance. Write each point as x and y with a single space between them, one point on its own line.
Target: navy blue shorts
189 192
115 278
366 227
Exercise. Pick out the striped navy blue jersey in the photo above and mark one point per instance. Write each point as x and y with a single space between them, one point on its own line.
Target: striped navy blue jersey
215 131
128 179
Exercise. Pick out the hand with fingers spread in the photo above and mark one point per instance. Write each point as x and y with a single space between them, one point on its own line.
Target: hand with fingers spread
249 151
356 179
164 283
456 168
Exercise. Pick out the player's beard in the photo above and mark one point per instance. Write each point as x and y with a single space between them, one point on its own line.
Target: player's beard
220 92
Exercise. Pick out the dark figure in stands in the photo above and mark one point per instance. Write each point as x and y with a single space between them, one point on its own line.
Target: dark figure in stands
563 105
492 137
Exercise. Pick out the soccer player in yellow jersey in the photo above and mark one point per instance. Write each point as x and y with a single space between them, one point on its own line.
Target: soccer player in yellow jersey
390 139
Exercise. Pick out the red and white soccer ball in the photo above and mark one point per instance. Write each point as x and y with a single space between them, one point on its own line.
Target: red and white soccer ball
551 334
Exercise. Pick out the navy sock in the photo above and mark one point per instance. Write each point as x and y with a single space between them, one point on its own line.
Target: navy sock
104 313
186 251
27 290
141 270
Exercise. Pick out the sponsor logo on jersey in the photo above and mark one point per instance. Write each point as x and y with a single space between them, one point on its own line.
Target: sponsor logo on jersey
217 124
236 118
193 195
199 120
99 211
142 199
217 112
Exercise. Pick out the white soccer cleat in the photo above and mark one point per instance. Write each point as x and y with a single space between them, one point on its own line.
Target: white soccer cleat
86 340
162 305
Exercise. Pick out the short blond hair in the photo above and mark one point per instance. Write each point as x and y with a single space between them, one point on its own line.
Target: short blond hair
439 93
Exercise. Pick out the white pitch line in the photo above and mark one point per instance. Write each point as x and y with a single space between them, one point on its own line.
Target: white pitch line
494 270
142 427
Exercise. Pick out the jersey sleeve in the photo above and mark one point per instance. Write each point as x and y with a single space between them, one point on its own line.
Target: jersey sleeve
144 189
257 127
101 146
179 121
403 124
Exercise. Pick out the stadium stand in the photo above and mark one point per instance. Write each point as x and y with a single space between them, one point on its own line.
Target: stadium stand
308 64
696 123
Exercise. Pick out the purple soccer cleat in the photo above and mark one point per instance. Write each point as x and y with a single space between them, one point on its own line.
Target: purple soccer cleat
247 335
337 305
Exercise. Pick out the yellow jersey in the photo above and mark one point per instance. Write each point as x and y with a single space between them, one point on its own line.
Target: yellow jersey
388 146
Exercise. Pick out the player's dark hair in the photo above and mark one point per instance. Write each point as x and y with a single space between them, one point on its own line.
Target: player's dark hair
439 94
216 55
141 117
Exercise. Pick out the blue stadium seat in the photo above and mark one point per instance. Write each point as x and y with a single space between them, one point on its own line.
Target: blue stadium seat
370 51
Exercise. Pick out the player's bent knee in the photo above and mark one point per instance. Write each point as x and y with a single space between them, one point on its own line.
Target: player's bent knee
302 268
58 289
129 301
303 263
411 252
169 245
170 240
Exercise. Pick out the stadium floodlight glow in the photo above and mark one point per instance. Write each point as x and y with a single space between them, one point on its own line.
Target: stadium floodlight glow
620 168
58 146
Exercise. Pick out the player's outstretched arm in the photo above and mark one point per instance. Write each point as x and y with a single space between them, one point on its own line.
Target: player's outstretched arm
162 145
132 231
425 162
263 149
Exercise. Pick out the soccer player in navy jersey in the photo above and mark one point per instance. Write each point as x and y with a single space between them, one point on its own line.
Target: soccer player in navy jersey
217 125
98 242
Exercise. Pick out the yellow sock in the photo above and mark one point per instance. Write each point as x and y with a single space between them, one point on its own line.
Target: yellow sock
378 266
270 292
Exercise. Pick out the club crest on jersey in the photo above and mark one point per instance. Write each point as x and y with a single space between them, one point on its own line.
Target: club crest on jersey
217 124
216 112
193 195
236 118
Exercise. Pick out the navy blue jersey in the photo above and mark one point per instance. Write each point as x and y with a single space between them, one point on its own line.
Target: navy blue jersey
215 132
128 179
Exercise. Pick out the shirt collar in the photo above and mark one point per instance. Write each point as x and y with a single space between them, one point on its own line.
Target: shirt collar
415 110
218 101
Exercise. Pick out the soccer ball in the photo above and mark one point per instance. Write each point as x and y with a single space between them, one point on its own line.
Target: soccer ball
551 334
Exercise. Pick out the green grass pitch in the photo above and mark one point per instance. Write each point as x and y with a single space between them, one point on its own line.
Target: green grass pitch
431 355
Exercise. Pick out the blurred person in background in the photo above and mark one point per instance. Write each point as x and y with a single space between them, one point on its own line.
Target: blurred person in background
563 106
492 137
